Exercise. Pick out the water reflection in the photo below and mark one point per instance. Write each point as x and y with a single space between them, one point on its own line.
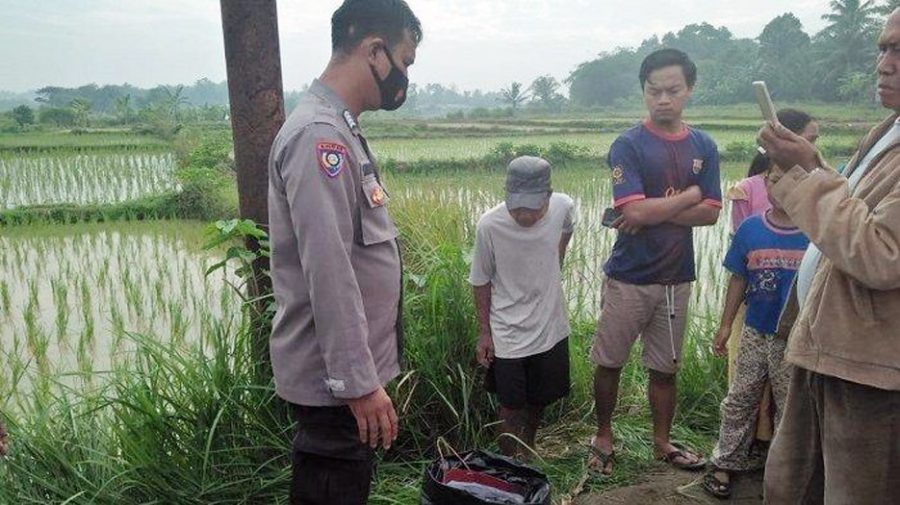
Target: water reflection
68 295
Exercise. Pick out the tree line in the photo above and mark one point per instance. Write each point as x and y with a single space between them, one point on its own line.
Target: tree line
836 64
158 110
123 105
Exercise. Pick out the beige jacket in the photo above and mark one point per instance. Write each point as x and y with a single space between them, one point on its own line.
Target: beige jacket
850 326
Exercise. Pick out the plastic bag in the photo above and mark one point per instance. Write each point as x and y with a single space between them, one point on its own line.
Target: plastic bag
479 478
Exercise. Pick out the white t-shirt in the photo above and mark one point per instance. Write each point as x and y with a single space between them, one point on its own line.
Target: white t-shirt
522 265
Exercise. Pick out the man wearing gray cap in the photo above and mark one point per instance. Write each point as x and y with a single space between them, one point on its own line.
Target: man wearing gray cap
516 274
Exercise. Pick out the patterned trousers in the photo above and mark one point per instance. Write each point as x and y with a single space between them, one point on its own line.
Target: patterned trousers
764 424
760 358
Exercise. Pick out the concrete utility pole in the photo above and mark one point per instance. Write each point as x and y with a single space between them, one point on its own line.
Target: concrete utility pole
253 62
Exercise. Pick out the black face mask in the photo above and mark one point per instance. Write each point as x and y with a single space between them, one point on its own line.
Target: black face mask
391 86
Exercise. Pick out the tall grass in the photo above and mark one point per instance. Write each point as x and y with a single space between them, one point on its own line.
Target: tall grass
170 426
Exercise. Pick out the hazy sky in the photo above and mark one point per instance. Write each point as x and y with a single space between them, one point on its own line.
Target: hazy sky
471 43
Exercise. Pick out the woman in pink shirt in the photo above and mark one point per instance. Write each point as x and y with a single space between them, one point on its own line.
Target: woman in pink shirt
749 198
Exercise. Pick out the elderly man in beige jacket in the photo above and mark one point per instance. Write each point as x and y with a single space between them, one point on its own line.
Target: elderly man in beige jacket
839 440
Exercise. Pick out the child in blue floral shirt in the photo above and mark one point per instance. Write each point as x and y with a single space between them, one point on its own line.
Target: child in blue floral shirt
763 259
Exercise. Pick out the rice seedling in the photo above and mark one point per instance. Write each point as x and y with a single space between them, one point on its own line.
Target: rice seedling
4 298
60 301
99 272
117 141
82 179
594 143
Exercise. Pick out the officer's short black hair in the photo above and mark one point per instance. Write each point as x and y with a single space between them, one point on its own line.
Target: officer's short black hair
357 19
663 58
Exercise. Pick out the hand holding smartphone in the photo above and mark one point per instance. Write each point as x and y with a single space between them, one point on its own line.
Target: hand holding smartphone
609 216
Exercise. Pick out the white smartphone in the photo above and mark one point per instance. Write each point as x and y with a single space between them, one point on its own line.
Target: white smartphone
764 99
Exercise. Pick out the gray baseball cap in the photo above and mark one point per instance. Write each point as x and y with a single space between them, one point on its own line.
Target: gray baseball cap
527 183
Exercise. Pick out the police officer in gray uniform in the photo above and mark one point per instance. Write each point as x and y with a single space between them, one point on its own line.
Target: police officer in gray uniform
335 261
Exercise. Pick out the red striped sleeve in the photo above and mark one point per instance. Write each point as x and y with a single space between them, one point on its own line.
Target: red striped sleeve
628 199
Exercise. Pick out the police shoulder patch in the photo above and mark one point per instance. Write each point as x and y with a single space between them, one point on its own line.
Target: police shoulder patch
332 156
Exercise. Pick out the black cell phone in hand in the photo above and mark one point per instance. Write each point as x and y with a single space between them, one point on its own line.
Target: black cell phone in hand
609 216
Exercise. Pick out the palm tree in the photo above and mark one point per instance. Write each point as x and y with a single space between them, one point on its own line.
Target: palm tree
123 108
514 95
81 108
174 100
847 45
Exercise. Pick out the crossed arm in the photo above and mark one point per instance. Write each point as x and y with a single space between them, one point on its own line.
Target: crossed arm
685 209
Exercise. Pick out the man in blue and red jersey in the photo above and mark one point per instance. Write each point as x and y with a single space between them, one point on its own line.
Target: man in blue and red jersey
665 178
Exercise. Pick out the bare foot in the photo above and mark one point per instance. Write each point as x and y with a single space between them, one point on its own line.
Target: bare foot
602 454
722 476
717 482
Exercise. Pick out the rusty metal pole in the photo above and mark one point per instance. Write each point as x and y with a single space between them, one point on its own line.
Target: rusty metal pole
253 62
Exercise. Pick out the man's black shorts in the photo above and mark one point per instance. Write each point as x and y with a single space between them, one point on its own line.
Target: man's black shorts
532 381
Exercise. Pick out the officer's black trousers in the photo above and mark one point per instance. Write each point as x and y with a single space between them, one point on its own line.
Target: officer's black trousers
330 465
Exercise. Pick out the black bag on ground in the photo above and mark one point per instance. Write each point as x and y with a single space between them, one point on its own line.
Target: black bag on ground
483 478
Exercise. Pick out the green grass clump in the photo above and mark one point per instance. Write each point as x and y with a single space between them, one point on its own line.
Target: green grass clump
170 425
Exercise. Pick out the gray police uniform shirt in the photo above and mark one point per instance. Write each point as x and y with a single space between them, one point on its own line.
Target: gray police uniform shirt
522 265
335 261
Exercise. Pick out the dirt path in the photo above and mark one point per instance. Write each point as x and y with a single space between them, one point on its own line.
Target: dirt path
670 487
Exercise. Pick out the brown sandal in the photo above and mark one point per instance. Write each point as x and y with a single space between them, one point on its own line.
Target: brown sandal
681 451
605 458
715 487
